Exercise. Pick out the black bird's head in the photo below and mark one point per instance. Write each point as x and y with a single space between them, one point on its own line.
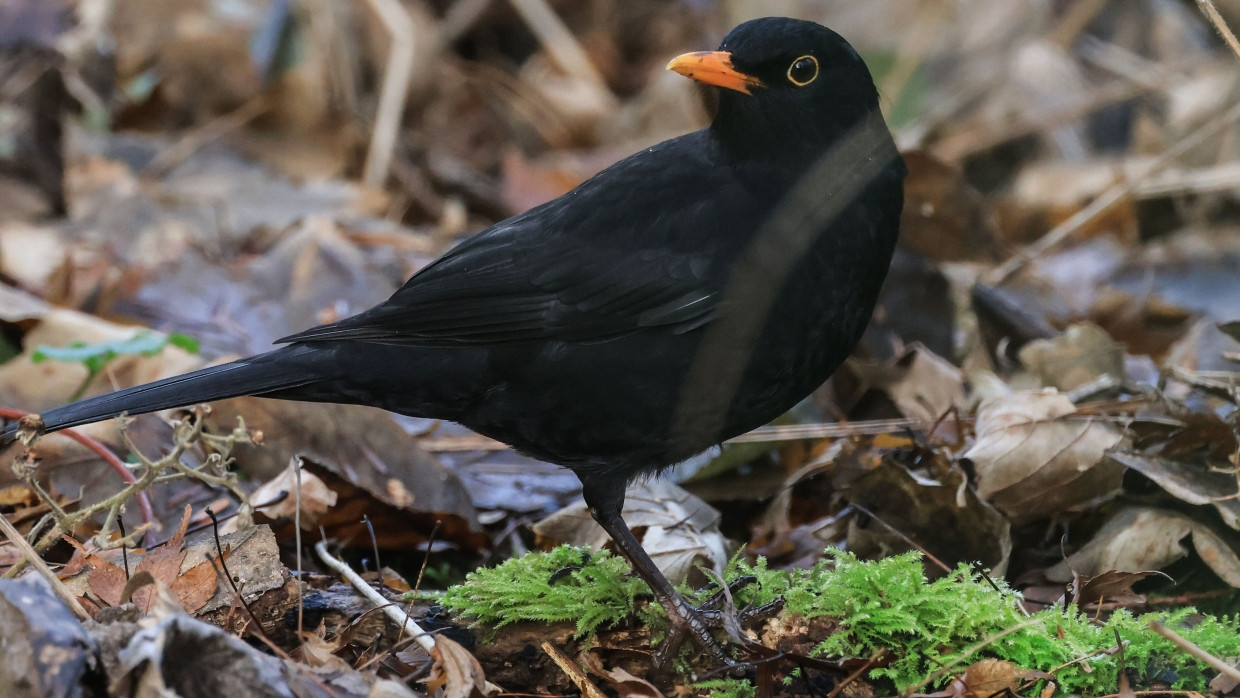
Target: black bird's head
790 86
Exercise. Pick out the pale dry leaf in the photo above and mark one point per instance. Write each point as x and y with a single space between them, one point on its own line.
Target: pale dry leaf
930 388
456 671
1083 354
1195 483
1136 539
316 497
1034 458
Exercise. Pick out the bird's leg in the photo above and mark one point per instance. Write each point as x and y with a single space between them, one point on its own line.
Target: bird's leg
606 500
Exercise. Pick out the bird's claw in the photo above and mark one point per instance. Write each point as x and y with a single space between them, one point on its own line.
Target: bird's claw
697 623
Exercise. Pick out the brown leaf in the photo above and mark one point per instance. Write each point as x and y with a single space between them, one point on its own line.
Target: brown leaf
197 585
1109 587
164 562
1034 458
456 671
316 496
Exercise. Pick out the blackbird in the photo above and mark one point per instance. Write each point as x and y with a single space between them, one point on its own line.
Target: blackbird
687 294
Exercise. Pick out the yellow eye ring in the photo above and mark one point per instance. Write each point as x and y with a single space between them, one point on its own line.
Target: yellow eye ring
803 71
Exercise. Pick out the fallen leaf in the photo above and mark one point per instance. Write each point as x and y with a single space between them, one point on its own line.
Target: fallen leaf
1034 458
1136 538
1081 355
456 671
316 496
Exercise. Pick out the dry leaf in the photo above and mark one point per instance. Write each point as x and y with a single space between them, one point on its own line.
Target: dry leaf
1148 539
456 671
1033 458
316 496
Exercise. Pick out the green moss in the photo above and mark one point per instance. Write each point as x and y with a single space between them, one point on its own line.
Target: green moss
565 584
880 604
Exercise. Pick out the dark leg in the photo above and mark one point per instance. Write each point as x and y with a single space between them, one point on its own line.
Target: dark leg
606 500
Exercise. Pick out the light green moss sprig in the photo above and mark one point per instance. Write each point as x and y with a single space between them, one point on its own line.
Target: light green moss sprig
553 587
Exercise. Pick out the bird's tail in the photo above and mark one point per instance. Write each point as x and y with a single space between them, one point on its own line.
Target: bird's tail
256 375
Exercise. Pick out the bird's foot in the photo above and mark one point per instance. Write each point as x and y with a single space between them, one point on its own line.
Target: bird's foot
697 624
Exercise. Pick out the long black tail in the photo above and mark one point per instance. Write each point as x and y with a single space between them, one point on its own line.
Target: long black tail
281 369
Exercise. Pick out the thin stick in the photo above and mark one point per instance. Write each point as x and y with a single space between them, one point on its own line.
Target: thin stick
394 91
144 502
959 659
1214 662
423 638
301 607
559 41
58 587
1220 25
195 140
1110 198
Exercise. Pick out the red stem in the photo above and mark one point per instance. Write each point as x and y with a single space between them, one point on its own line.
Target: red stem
144 502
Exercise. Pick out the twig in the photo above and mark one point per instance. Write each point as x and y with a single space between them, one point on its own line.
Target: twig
941 671
144 502
194 141
1110 198
574 674
301 606
1214 662
15 537
393 92
559 41
402 619
222 558
870 663
1220 25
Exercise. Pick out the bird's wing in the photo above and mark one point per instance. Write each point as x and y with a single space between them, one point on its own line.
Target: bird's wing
515 282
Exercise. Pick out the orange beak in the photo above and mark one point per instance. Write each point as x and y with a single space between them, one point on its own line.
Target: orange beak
713 68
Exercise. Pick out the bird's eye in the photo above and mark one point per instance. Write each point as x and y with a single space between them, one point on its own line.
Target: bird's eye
803 71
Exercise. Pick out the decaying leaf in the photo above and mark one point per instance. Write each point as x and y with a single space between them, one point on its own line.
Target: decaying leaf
1109 587
939 513
316 497
1136 538
985 679
193 588
1033 458
930 388
1195 483
456 672
1083 354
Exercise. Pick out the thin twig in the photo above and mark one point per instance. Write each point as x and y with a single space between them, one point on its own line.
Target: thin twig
144 502
958 659
1220 24
402 619
1110 198
58 587
222 558
1214 662
394 91
301 606
560 43
195 140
